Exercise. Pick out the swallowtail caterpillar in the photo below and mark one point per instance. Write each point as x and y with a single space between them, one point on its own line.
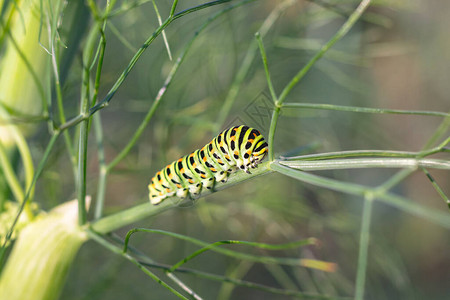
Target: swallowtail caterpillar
236 148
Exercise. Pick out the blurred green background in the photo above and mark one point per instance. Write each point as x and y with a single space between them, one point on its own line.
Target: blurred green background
396 57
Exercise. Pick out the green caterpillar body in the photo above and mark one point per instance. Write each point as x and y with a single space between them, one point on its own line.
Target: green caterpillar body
236 148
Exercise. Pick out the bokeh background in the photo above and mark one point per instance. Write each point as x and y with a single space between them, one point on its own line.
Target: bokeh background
396 57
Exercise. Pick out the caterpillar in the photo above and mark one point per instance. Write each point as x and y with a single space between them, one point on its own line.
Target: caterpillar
236 148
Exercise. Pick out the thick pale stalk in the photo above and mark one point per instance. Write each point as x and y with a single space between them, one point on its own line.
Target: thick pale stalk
38 265
23 65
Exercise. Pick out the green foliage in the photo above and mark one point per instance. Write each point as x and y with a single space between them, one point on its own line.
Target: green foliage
124 108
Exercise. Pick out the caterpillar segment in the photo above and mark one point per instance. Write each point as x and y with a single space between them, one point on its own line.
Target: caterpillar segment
220 168
202 171
237 148
173 176
192 180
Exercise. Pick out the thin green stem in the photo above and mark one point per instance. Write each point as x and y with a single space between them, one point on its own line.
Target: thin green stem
237 271
232 253
437 187
197 8
364 109
48 80
272 128
99 239
440 131
102 176
338 36
105 101
59 102
73 122
99 67
363 248
94 9
358 163
365 153
81 178
166 43
374 18
88 58
139 212
137 134
124 7
101 186
394 180
313 45
243 283
114 30
230 242
83 138
9 175
355 189
6 26
109 7
439 148
174 7
183 285
16 116
266 67
246 63
281 276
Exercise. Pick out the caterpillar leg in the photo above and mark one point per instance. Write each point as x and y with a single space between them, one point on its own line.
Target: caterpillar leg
155 196
182 193
208 183
195 189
